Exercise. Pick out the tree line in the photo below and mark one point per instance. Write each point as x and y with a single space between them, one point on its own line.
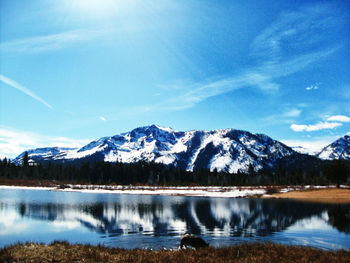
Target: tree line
151 173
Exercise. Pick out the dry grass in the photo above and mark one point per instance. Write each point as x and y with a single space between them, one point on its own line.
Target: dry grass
328 195
26 182
252 253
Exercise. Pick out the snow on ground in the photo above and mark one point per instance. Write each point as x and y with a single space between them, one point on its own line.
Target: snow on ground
211 191
205 191
5 187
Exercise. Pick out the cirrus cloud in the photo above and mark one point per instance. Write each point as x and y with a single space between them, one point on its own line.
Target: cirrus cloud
13 84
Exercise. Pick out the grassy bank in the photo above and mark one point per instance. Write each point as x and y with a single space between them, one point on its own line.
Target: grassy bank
64 252
328 195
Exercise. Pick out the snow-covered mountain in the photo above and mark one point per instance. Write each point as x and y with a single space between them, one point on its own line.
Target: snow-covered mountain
224 150
301 149
339 149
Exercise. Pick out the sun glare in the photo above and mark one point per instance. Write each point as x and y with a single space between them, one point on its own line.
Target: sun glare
97 8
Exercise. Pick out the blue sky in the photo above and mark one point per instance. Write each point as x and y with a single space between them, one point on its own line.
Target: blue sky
72 71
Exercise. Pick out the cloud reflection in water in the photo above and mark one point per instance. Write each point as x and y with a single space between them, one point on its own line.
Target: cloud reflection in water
156 221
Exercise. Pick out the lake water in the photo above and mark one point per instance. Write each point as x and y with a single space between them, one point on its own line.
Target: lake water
155 222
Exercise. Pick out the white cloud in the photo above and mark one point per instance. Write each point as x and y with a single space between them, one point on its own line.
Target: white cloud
14 84
331 123
340 118
315 127
312 87
102 118
12 142
310 147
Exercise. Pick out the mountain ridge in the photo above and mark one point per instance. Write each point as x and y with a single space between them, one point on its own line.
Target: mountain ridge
228 150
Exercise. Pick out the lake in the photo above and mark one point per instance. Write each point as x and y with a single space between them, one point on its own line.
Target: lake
156 222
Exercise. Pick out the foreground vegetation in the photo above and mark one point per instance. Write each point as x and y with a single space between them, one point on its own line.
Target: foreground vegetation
64 252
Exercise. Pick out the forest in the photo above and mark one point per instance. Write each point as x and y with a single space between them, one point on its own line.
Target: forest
150 173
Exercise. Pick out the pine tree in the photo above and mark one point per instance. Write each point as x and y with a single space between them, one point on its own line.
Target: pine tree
337 172
25 159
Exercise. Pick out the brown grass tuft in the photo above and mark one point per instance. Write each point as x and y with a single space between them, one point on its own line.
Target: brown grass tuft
59 251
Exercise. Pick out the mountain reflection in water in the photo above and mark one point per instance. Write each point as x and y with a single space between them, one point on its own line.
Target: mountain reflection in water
134 218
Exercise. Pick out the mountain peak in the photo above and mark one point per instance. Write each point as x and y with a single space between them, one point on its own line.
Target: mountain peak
222 150
157 127
339 149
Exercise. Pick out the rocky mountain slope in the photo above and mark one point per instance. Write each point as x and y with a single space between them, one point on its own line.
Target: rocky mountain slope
224 150
339 149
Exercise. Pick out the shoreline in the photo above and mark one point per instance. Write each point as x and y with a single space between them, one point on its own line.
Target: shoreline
193 191
61 251
323 194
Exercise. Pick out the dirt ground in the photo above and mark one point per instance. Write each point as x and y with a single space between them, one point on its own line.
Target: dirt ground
328 195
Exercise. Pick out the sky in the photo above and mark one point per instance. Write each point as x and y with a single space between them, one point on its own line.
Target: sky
72 71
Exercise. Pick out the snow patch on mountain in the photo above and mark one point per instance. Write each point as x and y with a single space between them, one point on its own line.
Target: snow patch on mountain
339 149
222 150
